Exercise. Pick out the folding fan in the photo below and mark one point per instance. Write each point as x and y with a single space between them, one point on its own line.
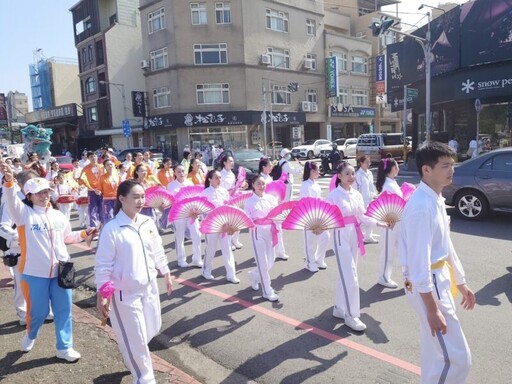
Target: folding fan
387 207
276 188
106 291
284 177
226 220
240 178
314 214
157 197
407 190
191 208
188 192
332 184
281 212
239 200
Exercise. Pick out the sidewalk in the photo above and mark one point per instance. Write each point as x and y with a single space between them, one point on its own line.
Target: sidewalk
101 361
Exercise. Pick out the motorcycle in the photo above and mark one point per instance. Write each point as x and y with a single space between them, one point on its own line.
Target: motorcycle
329 163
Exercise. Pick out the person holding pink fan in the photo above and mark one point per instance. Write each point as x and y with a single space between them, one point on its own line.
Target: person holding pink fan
386 174
364 184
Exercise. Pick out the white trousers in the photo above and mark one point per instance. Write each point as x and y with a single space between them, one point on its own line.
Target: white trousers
212 241
280 251
136 319
315 246
388 251
65 208
367 229
263 249
444 358
347 287
83 214
179 238
235 237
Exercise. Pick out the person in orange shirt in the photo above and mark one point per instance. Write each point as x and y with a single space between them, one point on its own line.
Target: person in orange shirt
165 175
108 188
90 177
139 160
195 174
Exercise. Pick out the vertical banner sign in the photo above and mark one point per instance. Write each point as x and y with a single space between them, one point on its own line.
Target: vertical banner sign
331 65
138 104
380 68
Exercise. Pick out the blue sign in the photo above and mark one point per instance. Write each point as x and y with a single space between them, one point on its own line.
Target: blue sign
127 130
331 67
380 68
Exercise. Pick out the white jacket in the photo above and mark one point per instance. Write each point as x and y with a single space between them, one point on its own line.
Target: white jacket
227 179
129 253
364 184
216 196
310 188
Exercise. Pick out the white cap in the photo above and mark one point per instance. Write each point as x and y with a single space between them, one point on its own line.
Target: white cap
35 185
284 152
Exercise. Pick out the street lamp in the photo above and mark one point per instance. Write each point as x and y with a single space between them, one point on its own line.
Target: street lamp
120 88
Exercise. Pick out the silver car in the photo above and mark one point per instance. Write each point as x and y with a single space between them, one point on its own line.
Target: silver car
481 185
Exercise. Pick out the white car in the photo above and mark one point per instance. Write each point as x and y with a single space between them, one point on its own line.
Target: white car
346 147
311 148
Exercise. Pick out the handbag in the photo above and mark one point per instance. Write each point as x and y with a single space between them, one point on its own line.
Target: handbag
66 277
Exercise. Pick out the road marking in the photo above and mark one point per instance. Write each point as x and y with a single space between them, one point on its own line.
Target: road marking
307 327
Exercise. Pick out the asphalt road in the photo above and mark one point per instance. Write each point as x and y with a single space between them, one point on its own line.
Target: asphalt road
224 333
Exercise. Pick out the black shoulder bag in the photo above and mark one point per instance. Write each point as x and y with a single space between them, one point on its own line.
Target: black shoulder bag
66 278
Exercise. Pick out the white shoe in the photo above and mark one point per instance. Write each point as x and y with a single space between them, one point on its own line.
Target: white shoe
233 248
182 264
23 322
207 276
322 265
234 280
311 269
371 240
27 343
238 245
197 264
336 312
355 323
271 297
283 257
255 285
68 354
389 284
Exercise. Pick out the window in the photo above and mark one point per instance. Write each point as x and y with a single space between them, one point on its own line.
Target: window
214 93
276 21
359 64
90 51
161 97
279 58
280 95
360 97
311 95
156 21
343 96
159 59
84 56
90 85
342 61
205 54
92 115
198 13
310 27
223 12
312 57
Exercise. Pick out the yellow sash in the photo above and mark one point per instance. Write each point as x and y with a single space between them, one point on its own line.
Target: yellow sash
453 285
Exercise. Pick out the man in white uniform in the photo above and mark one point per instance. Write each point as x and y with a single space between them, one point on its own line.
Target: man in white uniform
433 272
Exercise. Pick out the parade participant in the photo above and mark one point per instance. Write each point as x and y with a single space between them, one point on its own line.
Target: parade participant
122 171
165 174
195 173
153 165
84 160
199 156
314 245
364 184
90 177
180 226
16 166
263 237
386 174
348 243
63 194
185 161
52 172
128 160
264 169
218 196
34 164
108 188
77 170
433 271
139 159
82 206
140 174
35 218
289 169
130 255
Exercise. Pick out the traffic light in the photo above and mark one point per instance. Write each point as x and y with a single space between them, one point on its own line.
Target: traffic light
380 27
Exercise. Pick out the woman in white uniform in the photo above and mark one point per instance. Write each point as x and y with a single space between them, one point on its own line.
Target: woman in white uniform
218 196
228 182
348 244
263 236
290 170
130 255
315 245
386 174
364 184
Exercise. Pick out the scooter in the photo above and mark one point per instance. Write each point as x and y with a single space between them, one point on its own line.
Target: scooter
327 166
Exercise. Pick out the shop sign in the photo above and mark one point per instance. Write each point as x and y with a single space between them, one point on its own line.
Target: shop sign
341 110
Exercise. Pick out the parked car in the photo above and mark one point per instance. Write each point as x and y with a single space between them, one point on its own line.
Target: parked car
247 158
346 147
382 145
311 148
482 185
65 162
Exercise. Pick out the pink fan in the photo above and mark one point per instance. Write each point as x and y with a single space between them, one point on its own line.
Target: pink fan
332 184
157 197
188 192
239 200
407 190
284 177
276 188
190 208
281 212
226 220
240 178
314 214
386 207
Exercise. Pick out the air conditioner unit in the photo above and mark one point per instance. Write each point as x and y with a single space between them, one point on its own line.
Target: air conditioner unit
144 64
305 106
308 63
266 59
314 107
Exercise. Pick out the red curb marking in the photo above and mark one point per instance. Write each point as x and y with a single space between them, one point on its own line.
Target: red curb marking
307 327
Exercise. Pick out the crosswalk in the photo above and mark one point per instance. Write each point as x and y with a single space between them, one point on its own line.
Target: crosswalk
322 181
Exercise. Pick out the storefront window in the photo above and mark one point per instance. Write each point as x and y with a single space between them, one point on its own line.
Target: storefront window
234 137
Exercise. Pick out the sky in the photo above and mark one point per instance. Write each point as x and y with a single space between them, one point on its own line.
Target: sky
27 25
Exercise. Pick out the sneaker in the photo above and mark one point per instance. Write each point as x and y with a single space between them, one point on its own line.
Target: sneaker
69 355
238 245
311 269
337 312
27 343
182 264
355 324
322 265
389 284
23 322
371 240
283 257
233 248
234 280
255 285
207 276
271 297
196 264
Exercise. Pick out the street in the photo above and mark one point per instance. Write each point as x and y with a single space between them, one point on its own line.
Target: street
219 332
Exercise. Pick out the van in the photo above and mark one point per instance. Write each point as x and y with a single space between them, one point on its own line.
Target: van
382 145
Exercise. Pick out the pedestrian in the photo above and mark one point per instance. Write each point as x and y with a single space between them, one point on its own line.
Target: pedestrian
473 149
35 219
263 237
386 182
291 170
108 189
130 255
90 177
315 245
16 166
454 145
433 272
365 185
348 244
63 195
84 160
